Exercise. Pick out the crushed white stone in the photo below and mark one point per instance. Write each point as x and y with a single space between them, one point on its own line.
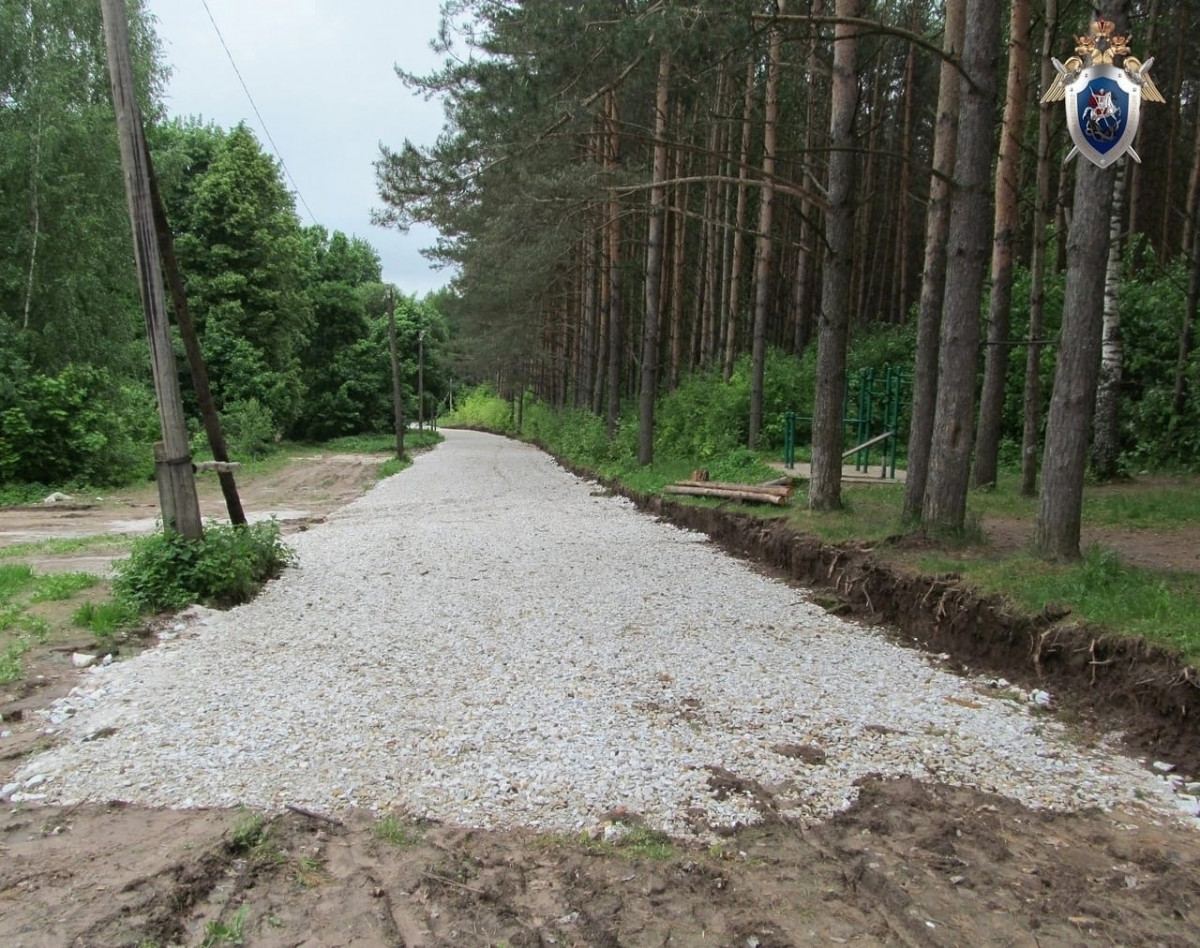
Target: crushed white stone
489 640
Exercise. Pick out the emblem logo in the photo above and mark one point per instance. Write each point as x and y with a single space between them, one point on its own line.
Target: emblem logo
1103 109
1103 100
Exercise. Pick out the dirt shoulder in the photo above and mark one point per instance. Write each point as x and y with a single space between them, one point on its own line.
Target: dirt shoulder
296 492
909 864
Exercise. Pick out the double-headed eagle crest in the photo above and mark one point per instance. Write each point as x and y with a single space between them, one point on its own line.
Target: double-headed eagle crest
1103 86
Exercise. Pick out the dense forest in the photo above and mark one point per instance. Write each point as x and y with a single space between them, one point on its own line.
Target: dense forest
292 319
636 191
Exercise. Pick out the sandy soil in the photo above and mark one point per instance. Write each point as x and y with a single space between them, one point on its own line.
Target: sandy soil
297 494
910 864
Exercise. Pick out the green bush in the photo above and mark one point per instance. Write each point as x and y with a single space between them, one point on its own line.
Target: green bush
249 430
227 567
482 407
76 427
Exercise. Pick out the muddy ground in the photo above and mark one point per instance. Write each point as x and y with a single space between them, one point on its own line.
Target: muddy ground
911 863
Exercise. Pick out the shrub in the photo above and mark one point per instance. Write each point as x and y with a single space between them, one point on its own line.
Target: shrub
78 426
249 429
227 567
482 407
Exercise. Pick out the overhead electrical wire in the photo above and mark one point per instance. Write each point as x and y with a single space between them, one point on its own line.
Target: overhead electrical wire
261 120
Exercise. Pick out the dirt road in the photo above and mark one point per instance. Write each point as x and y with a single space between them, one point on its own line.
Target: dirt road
915 863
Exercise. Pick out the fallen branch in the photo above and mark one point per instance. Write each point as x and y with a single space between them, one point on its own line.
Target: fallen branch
313 815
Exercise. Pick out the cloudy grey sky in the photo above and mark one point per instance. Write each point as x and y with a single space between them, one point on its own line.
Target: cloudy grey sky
322 74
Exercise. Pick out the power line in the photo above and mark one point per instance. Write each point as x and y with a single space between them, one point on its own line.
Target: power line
261 120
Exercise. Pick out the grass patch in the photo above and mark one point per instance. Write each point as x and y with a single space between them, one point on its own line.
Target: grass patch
233 932
14 578
249 830
105 619
66 546
1155 507
55 587
11 668
309 872
20 628
397 832
637 842
1100 590
379 443
643 843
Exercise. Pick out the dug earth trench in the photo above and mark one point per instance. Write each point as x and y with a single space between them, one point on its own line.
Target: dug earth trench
909 862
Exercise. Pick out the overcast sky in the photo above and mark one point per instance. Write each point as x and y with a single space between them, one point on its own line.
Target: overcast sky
322 74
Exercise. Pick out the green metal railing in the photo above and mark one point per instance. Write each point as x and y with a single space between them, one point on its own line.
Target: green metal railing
873 406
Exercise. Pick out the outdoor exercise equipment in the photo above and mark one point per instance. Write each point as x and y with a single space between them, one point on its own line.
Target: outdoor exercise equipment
872 406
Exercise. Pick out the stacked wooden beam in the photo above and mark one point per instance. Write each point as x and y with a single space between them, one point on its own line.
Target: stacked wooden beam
776 494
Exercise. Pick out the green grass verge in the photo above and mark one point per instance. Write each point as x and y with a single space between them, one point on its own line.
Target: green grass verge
1160 607
101 543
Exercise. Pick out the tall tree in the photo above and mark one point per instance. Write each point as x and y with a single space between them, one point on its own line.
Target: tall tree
654 263
825 488
739 225
1060 503
1007 220
945 505
1106 442
766 210
1032 394
933 281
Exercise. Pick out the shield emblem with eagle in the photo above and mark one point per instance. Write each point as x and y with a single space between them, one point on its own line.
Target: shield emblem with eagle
1103 111
1104 100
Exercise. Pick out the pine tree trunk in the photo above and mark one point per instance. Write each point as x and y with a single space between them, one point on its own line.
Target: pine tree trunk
654 265
933 281
802 303
678 251
945 507
868 212
602 316
1007 220
1135 186
1106 438
1193 192
1060 504
825 488
766 208
1062 217
739 227
1187 326
1166 245
587 340
708 232
1032 402
900 307
615 330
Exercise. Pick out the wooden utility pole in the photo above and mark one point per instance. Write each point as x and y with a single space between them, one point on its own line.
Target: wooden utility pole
421 381
397 395
191 345
176 480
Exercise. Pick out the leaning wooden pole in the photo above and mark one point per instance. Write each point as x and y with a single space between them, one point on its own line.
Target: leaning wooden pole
397 395
191 345
177 482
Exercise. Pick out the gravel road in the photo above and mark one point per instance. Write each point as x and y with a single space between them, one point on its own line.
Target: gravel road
489 640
